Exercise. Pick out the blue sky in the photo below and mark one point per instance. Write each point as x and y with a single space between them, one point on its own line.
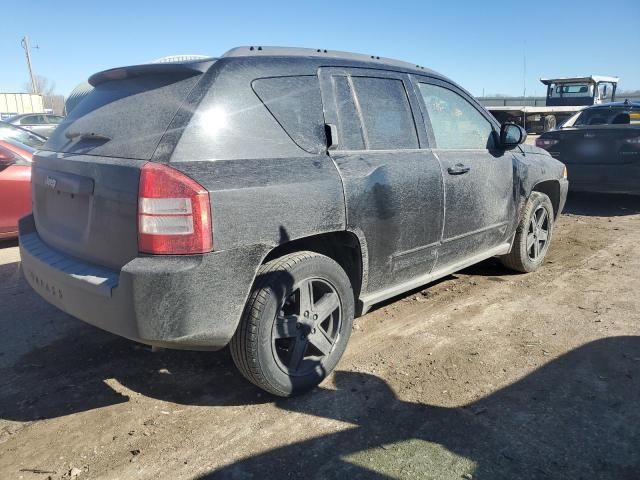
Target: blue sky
478 44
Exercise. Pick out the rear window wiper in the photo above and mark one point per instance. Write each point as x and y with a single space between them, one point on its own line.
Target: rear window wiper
86 136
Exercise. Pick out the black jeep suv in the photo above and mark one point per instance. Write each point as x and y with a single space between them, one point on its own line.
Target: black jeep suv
264 198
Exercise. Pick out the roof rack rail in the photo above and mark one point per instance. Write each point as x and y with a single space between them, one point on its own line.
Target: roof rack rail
248 51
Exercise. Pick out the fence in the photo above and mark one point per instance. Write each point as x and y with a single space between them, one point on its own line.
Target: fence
536 101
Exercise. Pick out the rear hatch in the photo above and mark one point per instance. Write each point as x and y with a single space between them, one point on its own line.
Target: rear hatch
85 180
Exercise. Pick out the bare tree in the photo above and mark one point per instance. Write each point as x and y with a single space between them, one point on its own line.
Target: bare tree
45 86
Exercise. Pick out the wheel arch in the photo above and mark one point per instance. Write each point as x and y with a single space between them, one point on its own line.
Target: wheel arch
344 247
551 188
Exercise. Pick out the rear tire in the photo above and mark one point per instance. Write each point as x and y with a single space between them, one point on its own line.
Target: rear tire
296 324
533 235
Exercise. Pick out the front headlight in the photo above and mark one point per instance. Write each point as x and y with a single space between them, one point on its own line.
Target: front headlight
564 173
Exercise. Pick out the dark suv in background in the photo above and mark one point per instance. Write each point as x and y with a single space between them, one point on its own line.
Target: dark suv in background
265 198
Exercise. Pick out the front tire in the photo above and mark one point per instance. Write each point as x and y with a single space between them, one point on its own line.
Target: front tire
533 235
296 324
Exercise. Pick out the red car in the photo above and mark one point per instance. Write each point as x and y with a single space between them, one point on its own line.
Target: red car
15 185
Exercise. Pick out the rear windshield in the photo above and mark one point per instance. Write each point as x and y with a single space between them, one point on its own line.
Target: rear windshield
608 116
123 118
20 145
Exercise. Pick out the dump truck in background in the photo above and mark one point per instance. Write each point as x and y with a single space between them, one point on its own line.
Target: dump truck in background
565 97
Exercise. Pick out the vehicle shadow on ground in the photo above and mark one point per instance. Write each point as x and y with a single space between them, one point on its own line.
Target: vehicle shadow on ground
575 417
53 365
50 375
602 205
70 375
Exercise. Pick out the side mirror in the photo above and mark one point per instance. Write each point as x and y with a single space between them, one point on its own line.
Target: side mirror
512 135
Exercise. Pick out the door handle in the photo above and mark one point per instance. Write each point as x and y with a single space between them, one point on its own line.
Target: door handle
331 132
458 169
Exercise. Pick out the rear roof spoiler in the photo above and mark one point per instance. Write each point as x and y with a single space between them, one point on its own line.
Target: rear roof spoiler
185 69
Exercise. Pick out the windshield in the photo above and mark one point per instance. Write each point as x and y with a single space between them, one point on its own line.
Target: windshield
10 132
570 121
570 90
577 88
21 146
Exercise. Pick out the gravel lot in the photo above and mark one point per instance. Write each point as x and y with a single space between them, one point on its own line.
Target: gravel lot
483 375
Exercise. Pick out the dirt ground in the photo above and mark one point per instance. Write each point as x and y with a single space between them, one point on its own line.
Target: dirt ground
483 375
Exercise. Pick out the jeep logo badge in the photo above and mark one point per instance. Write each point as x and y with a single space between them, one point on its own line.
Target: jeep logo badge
50 182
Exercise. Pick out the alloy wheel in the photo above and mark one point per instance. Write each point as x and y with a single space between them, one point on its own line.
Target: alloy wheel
538 234
307 327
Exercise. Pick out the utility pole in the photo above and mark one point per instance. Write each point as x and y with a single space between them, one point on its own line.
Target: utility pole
27 49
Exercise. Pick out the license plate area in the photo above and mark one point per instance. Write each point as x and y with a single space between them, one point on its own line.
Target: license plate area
63 214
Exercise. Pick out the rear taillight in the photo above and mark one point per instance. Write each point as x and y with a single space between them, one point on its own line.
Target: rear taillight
174 214
546 142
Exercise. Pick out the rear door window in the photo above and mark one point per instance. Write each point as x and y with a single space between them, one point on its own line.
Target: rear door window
350 135
456 124
386 114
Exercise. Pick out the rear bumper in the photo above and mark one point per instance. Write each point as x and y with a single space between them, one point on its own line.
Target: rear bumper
186 302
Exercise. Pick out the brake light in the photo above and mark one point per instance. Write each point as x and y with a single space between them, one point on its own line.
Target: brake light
174 214
546 142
